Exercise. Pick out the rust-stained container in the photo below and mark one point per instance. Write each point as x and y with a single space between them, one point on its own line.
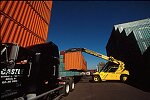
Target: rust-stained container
75 61
25 22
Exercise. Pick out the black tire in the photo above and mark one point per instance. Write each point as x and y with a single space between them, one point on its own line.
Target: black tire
96 78
71 85
66 89
123 78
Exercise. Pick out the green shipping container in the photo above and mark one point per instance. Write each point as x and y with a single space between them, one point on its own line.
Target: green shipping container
63 72
143 45
61 60
61 57
61 67
66 73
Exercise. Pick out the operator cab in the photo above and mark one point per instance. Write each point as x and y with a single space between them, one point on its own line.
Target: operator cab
109 67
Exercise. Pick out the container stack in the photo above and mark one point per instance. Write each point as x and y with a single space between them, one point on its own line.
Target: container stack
25 22
62 71
130 42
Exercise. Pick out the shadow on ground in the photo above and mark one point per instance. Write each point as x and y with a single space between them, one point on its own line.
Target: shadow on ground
143 85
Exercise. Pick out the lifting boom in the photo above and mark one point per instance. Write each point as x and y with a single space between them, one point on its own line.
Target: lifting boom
111 59
118 69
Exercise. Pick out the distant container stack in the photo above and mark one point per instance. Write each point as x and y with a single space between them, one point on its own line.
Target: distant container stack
25 22
130 42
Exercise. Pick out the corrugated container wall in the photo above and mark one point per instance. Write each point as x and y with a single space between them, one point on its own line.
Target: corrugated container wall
25 22
75 61
130 42
62 71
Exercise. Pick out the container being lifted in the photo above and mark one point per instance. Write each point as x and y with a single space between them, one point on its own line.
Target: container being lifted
75 61
113 70
72 64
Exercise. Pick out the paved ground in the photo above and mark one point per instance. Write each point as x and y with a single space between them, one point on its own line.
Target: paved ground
106 91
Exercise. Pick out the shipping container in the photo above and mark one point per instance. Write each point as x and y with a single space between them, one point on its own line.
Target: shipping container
69 77
67 73
63 72
129 42
32 16
75 61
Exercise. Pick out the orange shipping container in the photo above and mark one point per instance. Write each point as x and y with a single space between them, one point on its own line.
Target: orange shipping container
75 61
25 22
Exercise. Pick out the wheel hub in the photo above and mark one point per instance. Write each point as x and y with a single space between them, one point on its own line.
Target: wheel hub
95 79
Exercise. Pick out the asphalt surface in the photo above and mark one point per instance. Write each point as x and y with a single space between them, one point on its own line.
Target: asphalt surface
84 90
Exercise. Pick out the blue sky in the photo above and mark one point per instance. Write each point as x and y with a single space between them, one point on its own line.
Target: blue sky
89 24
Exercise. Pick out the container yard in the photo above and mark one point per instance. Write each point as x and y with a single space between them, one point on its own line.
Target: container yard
33 67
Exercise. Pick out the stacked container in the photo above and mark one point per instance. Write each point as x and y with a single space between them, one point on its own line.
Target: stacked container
25 22
130 42
66 73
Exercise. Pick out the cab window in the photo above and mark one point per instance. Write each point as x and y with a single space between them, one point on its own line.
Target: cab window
112 69
110 66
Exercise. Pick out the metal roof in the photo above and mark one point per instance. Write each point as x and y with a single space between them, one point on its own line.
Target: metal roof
141 31
123 26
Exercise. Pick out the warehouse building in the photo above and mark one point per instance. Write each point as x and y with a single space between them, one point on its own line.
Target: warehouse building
25 22
130 42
